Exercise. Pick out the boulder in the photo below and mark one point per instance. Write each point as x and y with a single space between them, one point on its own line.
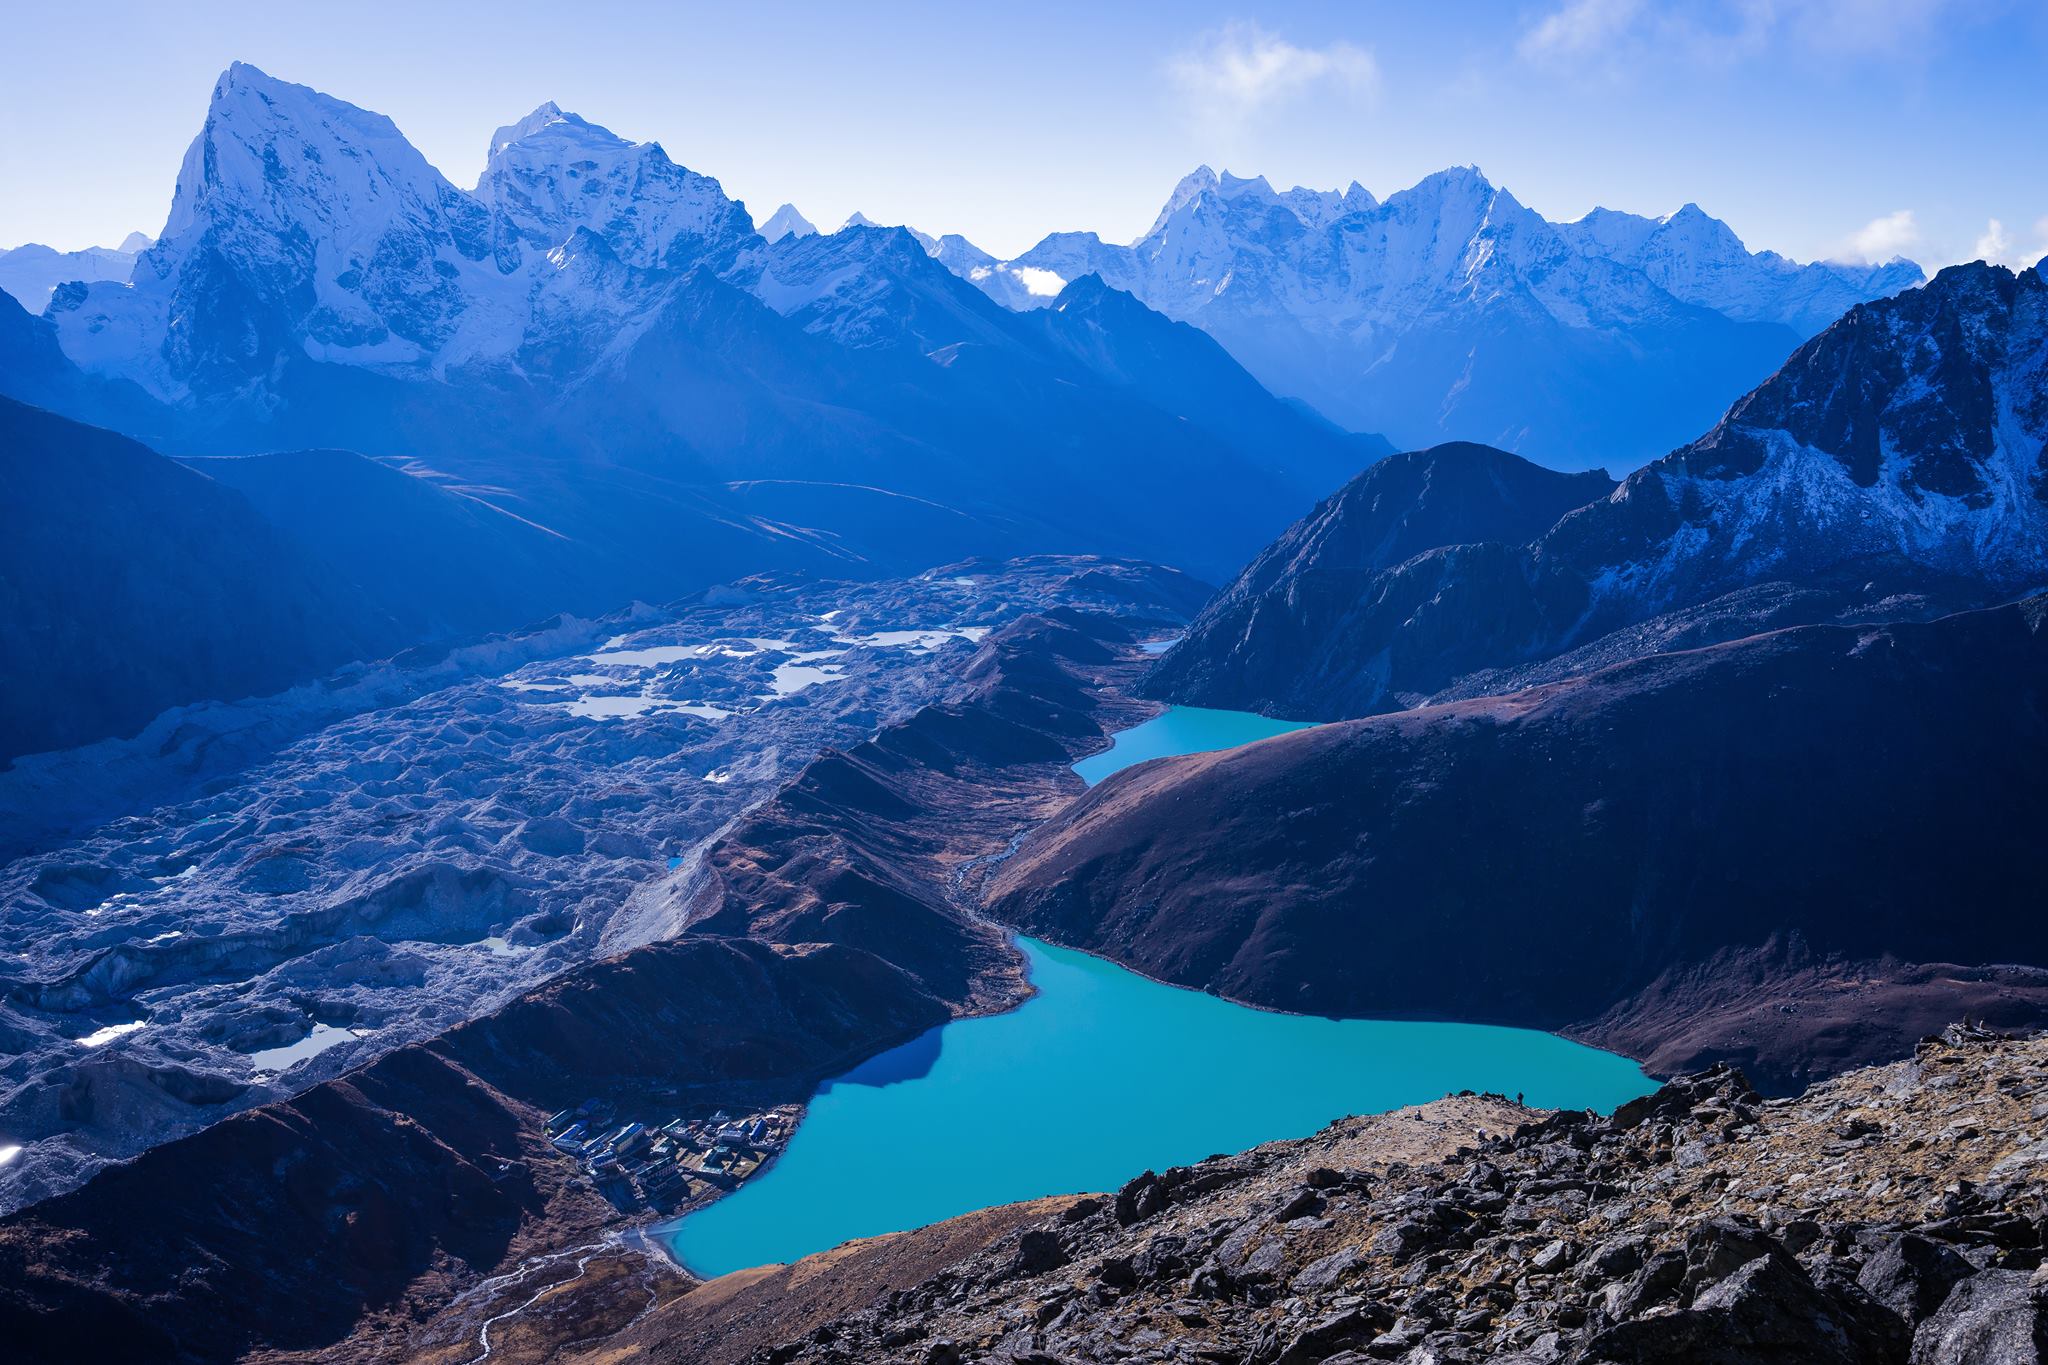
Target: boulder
1996 1317
1764 1312
1912 1275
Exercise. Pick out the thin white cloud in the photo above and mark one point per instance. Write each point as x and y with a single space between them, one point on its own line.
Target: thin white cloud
1580 28
1995 245
1862 28
1241 69
1881 239
2001 247
1623 34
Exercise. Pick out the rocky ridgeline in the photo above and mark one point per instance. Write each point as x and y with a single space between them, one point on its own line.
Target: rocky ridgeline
1896 1213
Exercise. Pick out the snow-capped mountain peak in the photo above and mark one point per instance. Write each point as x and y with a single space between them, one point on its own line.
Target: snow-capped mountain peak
553 173
275 153
1196 182
1700 260
303 223
787 222
548 113
857 219
1418 315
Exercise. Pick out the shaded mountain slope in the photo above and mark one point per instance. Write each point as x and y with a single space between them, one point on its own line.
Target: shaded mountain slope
1892 468
439 561
1782 804
129 583
1278 632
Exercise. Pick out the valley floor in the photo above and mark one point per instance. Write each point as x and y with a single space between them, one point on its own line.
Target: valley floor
427 1216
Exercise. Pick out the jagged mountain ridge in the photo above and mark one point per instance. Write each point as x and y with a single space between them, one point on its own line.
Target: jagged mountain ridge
1699 259
598 339
31 272
303 223
1893 467
1449 311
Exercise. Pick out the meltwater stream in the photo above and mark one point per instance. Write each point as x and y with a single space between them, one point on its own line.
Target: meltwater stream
1100 1075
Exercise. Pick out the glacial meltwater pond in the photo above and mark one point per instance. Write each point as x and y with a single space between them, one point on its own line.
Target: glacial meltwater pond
1099 1076
1181 730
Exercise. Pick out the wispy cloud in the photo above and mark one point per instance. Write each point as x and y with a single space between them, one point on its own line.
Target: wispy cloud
1880 239
1240 70
1863 28
1580 28
2001 247
1626 33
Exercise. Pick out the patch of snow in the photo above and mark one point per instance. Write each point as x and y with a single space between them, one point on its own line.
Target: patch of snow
101 1037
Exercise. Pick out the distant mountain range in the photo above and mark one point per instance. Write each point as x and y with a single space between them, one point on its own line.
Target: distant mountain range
593 315
1893 467
1449 311
32 273
595 345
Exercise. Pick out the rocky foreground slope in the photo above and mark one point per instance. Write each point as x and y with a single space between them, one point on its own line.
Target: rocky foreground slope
1895 1214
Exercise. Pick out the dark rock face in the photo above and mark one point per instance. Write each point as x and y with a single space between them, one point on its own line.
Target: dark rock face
1866 480
1703 1225
1997 1318
1744 1298
1274 636
1912 1275
1663 853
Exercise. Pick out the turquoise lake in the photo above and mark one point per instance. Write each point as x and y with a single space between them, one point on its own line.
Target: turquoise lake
1181 730
1099 1076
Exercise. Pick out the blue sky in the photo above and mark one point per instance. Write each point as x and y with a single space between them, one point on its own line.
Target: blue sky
1815 127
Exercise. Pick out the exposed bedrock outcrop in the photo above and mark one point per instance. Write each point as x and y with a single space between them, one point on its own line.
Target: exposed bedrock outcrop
1752 850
